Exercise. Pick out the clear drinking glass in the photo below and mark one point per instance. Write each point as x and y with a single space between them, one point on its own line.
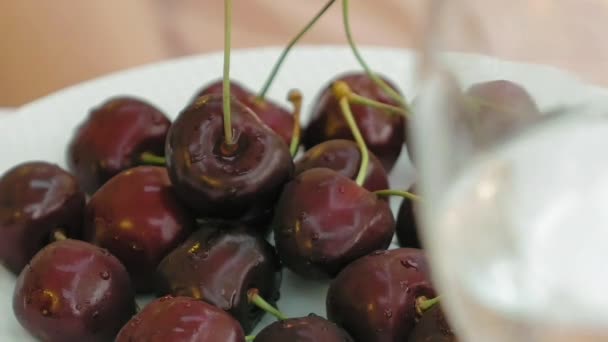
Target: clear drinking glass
514 189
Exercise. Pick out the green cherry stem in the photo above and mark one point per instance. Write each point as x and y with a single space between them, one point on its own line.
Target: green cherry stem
148 158
295 97
400 193
59 234
249 338
350 120
344 91
275 69
253 295
423 304
226 80
380 82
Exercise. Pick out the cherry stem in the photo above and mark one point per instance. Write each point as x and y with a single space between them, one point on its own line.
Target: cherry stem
249 338
295 97
348 116
344 90
149 158
226 80
279 62
380 82
423 304
400 193
253 295
59 234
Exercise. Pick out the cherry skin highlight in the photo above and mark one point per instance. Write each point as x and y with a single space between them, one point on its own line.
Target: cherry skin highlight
219 264
279 119
218 180
344 157
36 199
138 218
181 319
112 139
324 221
73 291
374 298
383 132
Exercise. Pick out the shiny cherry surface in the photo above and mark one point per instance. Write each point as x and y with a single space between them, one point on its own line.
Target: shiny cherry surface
113 137
324 221
344 157
271 113
36 198
383 132
181 319
374 298
138 218
221 181
219 263
73 291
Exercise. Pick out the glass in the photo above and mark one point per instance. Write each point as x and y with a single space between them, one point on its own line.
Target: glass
514 174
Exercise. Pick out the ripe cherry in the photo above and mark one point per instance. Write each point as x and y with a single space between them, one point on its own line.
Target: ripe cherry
36 199
138 218
113 138
73 291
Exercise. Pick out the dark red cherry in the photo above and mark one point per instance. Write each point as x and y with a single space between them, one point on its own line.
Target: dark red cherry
374 298
221 181
112 139
407 226
181 319
219 263
383 132
344 157
271 113
137 217
433 327
502 94
303 329
73 291
36 199
324 221
496 109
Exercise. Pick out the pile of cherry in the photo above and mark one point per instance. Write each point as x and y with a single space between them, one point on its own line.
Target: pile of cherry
193 232
184 210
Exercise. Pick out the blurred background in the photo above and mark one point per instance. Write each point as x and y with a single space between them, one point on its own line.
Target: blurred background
47 45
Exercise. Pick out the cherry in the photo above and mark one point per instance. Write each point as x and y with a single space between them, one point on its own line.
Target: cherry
375 297
113 138
383 131
73 291
407 226
344 157
272 114
137 217
303 329
36 199
219 264
181 319
503 95
496 109
220 181
433 327
324 221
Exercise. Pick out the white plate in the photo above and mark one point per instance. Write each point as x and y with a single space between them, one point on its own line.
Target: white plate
42 129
